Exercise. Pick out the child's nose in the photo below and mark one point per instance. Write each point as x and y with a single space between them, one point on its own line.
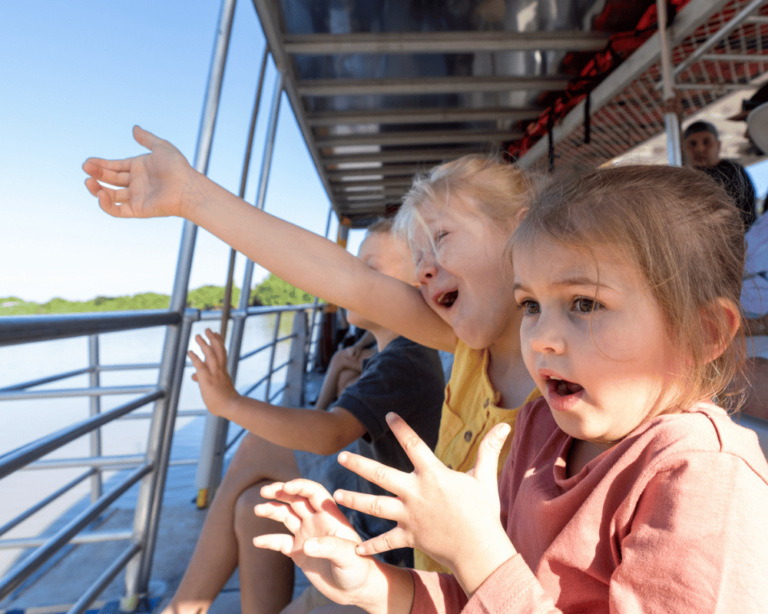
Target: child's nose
426 269
546 335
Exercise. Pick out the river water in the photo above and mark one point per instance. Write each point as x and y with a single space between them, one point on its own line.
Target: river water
24 421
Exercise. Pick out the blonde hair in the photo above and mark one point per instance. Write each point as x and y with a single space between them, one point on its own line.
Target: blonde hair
486 186
686 237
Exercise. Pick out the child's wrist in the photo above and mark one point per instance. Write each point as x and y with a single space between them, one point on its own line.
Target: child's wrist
194 190
476 567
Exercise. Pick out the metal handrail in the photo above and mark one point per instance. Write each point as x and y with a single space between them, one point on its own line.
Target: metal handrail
15 330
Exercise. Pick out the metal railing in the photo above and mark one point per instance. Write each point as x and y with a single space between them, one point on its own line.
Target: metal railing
135 468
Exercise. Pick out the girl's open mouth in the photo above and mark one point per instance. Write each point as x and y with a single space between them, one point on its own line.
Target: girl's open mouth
563 395
447 299
563 387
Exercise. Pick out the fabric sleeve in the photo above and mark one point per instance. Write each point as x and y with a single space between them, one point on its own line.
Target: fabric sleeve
390 385
694 543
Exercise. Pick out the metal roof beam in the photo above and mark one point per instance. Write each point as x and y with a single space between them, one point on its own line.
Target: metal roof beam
351 186
428 85
422 116
406 170
442 42
416 138
406 155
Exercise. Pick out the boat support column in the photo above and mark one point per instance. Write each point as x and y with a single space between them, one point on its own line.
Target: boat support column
671 119
214 443
149 501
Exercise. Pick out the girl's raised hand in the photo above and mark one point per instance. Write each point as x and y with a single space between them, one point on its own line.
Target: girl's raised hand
150 185
323 542
452 516
216 386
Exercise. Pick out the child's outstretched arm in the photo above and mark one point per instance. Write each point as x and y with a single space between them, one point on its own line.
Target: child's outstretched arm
454 517
323 545
162 183
320 432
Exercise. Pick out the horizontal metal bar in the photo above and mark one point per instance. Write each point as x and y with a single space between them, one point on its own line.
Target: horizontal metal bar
278 393
422 116
215 314
27 567
367 196
282 366
256 385
401 170
435 137
43 502
144 365
83 538
266 346
76 392
442 42
16 459
185 413
351 186
405 155
45 380
714 86
428 85
81 605
184 461
25 329
734 57
102 462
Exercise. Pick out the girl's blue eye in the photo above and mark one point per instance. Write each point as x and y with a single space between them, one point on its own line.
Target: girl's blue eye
530 308
586 305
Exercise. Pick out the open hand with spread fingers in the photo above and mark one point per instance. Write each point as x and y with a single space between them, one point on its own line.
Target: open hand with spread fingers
322 541
216 386
451 516
149 185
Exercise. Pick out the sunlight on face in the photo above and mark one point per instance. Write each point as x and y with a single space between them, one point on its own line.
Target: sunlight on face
463 273
594 340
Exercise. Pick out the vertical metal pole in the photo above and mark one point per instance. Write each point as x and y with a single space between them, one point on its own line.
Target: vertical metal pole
95 408
272 351
149 500
315 358
671 121
243 181
215 434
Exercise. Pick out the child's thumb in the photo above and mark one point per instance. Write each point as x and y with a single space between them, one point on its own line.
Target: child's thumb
486 467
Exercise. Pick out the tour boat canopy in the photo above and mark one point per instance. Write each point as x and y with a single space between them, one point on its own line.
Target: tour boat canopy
382 90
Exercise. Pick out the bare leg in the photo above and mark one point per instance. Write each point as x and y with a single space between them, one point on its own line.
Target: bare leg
266 577
217 551
314 602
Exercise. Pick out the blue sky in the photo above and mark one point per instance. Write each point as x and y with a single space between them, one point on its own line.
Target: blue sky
75 77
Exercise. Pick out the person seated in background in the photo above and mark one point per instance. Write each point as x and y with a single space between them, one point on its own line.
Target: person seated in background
286 443
701 150
345 368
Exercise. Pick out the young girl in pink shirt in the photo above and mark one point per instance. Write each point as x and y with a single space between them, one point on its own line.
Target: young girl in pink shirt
626 489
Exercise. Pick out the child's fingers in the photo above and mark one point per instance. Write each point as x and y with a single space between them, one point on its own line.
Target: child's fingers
390 508
391 540
487 462
217 345
198 364
339 551
419 453
388 478
279 512
210 357
146 138
99 168
280 542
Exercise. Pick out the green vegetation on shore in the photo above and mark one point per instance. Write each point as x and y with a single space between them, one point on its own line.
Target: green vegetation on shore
271 291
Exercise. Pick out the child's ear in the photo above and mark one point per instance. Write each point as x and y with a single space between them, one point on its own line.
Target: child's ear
721 320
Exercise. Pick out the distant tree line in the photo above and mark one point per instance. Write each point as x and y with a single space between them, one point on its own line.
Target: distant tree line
271 291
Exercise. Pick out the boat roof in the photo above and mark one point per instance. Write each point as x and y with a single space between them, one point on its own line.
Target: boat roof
383 89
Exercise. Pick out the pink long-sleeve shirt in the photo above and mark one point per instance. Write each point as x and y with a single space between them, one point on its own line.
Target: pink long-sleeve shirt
674 518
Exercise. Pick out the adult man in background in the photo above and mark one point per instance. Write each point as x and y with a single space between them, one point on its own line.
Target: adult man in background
701 149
